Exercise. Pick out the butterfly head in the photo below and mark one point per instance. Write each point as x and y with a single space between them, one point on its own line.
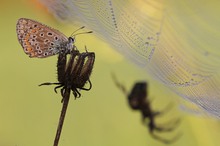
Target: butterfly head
70 45
71 40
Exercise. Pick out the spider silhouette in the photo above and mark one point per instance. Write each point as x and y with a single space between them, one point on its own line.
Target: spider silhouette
138 100
73 74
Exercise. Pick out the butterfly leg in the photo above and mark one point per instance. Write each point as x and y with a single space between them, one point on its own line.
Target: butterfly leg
166 141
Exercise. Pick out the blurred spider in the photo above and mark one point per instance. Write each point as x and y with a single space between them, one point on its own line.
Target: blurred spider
138 100
74 74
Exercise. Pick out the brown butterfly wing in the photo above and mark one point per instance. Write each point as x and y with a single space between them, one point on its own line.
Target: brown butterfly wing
37 39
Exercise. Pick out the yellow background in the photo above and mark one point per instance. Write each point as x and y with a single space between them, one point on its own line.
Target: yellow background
101 117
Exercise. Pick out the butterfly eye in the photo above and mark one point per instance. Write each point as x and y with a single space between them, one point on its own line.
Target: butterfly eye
71 40
62 51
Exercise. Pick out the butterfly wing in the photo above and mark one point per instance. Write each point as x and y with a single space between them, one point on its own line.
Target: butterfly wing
39 40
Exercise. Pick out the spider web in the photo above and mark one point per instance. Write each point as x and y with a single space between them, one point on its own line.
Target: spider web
177 42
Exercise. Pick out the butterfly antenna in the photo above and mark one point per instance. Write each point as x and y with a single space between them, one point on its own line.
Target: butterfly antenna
77 30
80 32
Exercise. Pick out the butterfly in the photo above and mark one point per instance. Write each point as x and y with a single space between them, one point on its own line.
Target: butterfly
41 41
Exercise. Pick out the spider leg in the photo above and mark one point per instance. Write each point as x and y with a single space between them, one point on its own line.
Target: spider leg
154 128
170 126
119 85
166 109
166 141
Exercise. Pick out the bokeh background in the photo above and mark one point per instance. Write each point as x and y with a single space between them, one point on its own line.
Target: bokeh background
101 117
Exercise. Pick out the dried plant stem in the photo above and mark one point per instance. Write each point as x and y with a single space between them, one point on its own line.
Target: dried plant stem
66 98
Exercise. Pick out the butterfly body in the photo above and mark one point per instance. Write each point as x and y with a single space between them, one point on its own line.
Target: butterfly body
39 40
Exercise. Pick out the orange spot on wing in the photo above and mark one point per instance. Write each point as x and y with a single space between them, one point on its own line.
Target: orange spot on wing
27 37
32 54
26 40
29 49
33 31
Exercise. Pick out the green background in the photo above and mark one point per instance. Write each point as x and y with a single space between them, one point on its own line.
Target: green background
101 117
